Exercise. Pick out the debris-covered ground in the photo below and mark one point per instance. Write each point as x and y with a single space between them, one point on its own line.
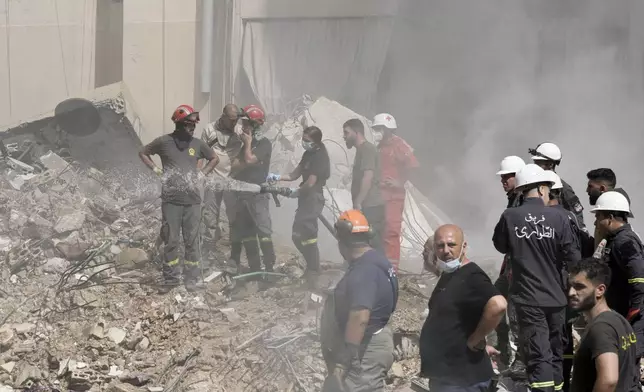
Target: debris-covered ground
79 308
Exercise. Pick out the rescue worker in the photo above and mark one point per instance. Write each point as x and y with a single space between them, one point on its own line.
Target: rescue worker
397 161
541 242
365 181
315 169
599 181
510 165
357 345
223 137
252 225
548 157
581 238
624 253
181 202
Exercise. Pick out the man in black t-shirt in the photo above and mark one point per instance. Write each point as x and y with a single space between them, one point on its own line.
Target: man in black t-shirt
606 357
181 201
365 180
252 227
463 309
315 169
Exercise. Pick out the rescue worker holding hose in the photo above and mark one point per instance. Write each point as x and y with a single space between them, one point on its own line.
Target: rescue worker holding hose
315 169
252 226
181 202
357 344
541 243
397 160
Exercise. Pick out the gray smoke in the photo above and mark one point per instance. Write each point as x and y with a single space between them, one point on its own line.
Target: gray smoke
473 82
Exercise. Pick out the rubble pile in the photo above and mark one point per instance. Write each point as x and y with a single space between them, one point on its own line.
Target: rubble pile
79 269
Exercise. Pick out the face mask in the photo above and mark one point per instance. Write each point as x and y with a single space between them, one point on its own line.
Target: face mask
307 145
450 265
377 137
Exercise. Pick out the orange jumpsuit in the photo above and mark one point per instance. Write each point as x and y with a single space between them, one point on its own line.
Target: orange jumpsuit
396 159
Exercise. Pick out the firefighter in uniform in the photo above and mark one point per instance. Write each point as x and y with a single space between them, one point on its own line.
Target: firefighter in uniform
510 165
582 238
540 240
223 137
397 160
315 169
624 253
252 226
548 157
181 202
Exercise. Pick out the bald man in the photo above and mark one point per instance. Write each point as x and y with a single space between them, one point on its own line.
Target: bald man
464 308
224 139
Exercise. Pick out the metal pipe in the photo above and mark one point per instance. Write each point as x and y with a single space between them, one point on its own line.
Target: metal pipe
207 24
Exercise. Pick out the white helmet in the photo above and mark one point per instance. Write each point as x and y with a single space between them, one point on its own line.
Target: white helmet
384 119
546 152
510 164
555 179
532 174
612 201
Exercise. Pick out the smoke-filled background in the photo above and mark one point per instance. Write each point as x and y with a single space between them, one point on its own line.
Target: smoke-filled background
473 81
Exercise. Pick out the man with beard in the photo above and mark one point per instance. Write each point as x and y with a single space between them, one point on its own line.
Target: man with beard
606 357
624 253
463 309
222 137
180 195
365 182
599 181
510 165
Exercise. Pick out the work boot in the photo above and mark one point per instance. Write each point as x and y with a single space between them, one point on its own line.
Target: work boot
193 285
167 285
517 371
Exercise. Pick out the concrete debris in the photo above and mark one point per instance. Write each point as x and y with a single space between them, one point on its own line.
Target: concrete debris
80 260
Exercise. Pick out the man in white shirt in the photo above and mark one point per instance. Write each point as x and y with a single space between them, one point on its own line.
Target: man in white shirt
223 137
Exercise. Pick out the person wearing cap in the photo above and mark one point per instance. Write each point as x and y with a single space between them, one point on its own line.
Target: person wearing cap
397 161
624 253
541 243
599 181
180 153
510 165
464 308
357 345
548 157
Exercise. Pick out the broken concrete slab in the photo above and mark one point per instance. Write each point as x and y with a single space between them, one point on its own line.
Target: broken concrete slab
131 258
117 335
70 222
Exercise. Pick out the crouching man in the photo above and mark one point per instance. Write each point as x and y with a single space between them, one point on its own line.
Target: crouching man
464 308
357 344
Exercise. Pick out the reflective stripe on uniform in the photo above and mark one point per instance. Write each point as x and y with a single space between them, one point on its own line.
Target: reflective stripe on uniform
191 262
542 384
173 262
569 356
310 242
265 239
636 280
559 387
249 239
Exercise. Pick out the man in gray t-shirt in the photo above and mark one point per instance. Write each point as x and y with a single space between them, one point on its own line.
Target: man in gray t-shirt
181 202
365 183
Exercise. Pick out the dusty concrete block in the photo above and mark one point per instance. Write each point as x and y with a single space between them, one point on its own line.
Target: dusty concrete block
70 222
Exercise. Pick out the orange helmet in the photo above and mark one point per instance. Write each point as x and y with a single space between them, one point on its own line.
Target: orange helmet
351 222
183 112
255 114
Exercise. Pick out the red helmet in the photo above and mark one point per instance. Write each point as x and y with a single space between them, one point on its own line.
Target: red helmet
183 112
255 114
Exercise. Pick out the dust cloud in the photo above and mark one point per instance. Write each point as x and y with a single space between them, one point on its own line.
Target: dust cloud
474 81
